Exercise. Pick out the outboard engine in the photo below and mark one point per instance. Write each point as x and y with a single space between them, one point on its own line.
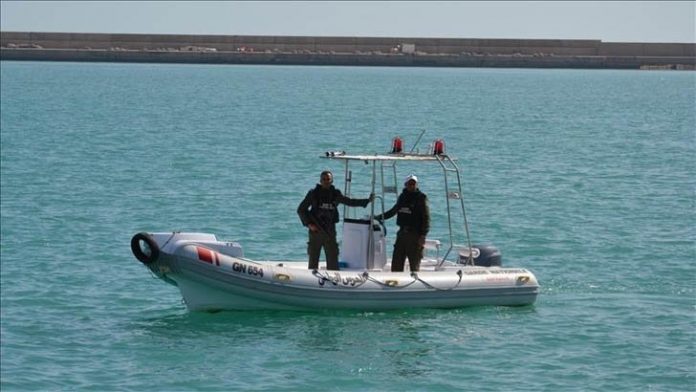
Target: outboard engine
484 256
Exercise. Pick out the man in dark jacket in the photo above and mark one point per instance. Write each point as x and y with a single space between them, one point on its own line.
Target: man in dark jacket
414 223
318 211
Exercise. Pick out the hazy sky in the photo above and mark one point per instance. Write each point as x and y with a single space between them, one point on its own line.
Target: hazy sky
620 21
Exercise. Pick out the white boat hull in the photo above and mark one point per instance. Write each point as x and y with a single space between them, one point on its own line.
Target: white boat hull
213 275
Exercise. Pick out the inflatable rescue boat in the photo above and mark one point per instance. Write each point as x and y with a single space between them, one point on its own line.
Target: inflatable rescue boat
214 275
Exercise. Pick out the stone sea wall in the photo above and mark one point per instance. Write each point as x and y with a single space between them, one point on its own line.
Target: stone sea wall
364 51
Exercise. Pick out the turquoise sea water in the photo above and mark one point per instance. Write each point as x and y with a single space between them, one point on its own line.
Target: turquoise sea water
584 177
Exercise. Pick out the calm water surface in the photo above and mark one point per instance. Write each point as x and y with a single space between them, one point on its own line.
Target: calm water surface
584 177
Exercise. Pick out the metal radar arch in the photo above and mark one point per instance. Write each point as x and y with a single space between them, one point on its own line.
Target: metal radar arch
384 165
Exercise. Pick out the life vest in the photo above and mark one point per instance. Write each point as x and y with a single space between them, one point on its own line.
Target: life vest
410 209
324 206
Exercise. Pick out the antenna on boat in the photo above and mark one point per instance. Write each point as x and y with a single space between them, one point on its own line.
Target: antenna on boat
346 186
417 140
371 233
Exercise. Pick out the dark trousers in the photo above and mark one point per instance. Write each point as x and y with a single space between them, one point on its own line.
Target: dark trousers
406 246
316 242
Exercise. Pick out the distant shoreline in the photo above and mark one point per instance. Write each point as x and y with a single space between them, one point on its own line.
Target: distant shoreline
345 51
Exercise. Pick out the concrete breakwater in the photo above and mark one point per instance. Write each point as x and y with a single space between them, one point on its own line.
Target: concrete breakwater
364 51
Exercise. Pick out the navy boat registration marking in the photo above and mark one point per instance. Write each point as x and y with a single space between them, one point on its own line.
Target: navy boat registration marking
352 281
336 279
508 271
327 278
247 269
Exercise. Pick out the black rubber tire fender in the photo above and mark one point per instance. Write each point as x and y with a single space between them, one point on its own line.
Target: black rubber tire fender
138 251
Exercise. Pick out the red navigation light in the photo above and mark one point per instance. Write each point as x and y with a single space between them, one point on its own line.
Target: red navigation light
439 147
397 144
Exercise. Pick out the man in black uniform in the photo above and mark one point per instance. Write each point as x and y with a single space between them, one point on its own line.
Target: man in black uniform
318 211
414 223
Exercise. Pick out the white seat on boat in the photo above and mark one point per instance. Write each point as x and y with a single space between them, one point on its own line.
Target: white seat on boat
432 244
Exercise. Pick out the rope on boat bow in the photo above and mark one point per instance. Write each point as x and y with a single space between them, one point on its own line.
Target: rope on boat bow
169 239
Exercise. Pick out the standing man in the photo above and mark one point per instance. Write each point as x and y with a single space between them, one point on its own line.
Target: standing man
318 211
414 223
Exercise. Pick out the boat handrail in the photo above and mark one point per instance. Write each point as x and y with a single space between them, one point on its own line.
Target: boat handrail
386 157
446 162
